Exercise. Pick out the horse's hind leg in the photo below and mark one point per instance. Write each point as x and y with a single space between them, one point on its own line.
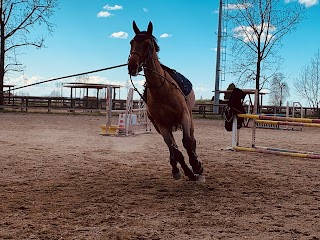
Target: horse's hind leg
176 157
189 144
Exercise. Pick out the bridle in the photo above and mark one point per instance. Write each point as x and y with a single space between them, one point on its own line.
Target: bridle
144 58
142 65
139 38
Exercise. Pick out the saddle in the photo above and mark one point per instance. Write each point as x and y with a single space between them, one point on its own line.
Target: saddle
184 83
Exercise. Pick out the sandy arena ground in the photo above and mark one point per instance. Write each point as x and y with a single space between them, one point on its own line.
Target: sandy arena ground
60 179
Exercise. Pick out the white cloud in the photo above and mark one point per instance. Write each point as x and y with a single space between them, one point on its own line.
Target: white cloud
237 6
203 89
115 7
248 35
139 84
145 10
307 3
23 80
104 14
46 89
103 80
109 8
120 34
165 35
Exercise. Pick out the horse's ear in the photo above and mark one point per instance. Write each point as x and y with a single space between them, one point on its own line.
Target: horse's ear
150 28
135 28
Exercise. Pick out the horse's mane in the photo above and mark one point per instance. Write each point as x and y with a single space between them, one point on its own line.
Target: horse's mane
143 35
155 42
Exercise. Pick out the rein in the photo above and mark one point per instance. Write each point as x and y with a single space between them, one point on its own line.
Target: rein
135 89
166 79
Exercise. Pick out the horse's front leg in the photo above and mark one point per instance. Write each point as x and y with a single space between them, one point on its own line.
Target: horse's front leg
189 144
176 157
173 162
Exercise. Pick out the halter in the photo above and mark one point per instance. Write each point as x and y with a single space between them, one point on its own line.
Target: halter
143 59
147 56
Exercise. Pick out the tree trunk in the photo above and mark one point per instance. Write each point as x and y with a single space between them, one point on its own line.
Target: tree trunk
2 56
1 74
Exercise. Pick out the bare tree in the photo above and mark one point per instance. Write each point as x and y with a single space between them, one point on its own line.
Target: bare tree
59 89
307 85
279 89
257 29
18 18
83 78
55 93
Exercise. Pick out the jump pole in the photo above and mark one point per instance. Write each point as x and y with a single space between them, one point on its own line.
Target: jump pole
273 120
276 118
278 151
298 124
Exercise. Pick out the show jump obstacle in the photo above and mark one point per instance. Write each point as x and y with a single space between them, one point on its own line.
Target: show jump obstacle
130 120
273 120
296 108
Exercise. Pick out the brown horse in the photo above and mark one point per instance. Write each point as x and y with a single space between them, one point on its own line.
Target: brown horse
167 106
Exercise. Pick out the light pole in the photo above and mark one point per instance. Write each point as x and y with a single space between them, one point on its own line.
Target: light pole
218 63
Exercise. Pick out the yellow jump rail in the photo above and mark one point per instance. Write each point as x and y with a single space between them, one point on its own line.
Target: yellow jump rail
306 122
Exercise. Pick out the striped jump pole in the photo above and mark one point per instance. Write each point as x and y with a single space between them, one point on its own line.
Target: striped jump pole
298 124
305 122
276 118
278 151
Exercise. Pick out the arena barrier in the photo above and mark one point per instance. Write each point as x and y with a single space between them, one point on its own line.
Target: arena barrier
129 119
275 120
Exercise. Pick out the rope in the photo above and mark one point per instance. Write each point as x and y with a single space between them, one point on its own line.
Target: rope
69 76
135 89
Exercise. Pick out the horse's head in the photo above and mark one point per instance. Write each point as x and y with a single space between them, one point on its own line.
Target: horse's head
142 47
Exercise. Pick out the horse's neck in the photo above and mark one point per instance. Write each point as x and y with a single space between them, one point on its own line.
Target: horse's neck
154 69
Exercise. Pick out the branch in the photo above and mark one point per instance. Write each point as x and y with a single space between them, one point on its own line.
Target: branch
11 8
13 67
37 45
24 24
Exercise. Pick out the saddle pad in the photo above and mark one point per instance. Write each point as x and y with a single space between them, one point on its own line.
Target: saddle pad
184 84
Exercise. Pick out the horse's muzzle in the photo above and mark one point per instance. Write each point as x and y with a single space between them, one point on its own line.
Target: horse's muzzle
133 69
134 64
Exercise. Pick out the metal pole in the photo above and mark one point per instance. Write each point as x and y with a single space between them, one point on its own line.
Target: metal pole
218 70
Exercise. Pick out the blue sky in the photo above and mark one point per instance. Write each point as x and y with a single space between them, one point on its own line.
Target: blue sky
93 34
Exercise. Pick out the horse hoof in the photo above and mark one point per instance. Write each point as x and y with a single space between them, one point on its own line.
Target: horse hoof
194 177
201 179
176 176
199 170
